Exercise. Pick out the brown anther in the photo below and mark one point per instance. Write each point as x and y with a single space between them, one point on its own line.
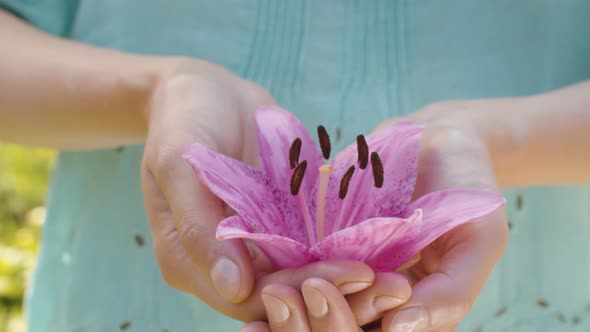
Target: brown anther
363 151
294 152
377 167
324 142
297 177
345 181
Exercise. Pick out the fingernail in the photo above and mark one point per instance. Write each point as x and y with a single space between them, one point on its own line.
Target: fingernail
383 303
226 278
410 320
353 287
276 309
316 301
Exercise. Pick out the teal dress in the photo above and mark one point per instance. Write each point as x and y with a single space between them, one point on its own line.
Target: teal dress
346 64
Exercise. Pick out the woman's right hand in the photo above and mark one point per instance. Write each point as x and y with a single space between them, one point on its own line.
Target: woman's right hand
196 101
100 98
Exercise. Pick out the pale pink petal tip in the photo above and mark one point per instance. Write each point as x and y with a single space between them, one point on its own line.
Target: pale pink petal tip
283 252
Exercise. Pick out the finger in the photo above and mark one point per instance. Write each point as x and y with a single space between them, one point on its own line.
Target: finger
327 309
285 309
389 291
178 269
182 273
442 299
175 265
256 327
347 276
196 212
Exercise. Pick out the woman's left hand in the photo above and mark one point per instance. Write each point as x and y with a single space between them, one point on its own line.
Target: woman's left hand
319 306
449 274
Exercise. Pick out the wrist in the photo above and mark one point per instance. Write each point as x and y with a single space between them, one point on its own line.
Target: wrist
183 76
115 93
139 84
502 125
495 125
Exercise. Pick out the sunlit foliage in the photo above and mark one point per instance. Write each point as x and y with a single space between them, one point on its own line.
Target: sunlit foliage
24 174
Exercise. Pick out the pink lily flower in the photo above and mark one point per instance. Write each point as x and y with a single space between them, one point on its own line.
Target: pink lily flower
357 206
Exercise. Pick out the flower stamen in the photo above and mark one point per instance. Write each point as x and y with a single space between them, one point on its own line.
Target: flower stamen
297 177
363 151
324 142
325 171
294 152
296 181
345 182
377 167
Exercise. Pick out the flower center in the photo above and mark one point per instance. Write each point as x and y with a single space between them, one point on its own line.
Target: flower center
325 172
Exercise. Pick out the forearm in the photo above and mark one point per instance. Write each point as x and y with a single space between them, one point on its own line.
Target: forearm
539 140
67 95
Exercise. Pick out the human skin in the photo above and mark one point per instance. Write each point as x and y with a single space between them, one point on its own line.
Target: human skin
485 144
66 95
62 94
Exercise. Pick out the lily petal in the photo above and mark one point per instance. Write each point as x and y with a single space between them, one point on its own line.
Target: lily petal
443 211
248 191
398 147
277 129
365 240
283 252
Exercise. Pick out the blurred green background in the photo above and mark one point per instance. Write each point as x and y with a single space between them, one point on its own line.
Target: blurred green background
24 175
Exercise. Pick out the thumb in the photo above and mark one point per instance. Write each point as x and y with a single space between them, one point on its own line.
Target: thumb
185 202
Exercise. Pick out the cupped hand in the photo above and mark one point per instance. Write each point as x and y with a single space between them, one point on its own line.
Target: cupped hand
449 274
201 102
